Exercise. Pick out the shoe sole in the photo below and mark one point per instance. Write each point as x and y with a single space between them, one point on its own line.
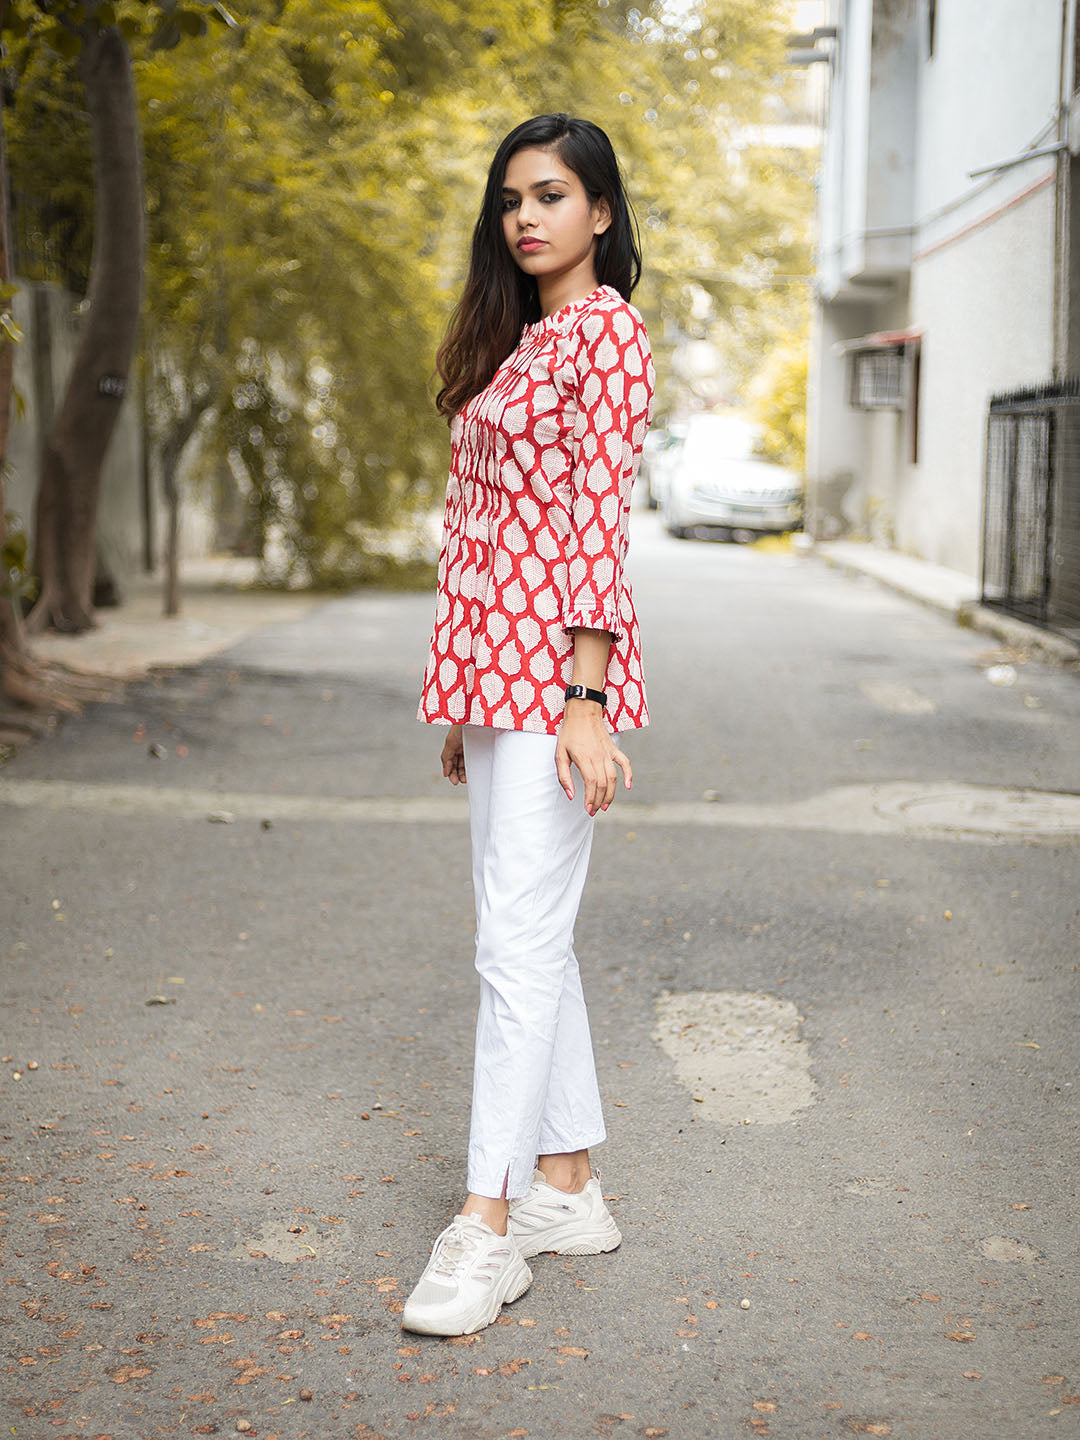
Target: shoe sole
481 1316
569 1240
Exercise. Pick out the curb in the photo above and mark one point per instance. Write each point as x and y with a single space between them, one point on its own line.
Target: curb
1054 649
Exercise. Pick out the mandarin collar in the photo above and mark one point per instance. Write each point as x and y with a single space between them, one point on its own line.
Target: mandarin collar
561 321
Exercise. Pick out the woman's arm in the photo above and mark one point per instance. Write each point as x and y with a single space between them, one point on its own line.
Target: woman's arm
614 375
614 385
453 756
584 739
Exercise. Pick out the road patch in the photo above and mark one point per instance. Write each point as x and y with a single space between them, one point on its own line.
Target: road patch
740 1055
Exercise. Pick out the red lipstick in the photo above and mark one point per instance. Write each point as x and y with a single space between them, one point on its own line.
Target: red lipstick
529 243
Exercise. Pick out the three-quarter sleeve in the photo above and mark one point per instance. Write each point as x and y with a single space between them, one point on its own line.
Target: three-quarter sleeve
536 525
614 374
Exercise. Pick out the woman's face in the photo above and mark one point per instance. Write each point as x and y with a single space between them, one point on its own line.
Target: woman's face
548 221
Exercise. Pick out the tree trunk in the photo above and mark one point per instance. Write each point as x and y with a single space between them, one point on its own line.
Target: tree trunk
147 487
74 449
179 433
170 463
12 643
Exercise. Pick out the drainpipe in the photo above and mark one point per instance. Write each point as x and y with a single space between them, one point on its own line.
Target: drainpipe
1062 265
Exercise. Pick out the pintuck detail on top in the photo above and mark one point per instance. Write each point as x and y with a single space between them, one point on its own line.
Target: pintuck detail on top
536 526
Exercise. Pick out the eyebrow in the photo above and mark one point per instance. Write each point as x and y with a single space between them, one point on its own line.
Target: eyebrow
540 185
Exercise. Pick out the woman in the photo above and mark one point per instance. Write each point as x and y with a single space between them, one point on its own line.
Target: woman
534 663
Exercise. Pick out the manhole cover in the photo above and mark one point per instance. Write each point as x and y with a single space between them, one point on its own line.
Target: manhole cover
987 810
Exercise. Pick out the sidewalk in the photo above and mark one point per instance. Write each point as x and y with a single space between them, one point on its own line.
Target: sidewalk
950 591
219 606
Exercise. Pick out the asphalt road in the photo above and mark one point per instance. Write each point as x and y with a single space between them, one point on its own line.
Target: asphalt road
831 953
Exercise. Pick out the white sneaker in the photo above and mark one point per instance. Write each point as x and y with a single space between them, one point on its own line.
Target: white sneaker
472 1273
550 1219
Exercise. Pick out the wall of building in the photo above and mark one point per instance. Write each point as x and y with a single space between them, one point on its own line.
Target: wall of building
990 90
851 138
986 301
853 456
890 158
982 277
979 278
868 170
835 433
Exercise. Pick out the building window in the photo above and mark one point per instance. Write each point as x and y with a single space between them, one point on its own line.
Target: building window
885 373
877 379
931 27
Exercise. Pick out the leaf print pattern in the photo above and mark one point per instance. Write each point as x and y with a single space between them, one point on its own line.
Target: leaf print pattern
536 526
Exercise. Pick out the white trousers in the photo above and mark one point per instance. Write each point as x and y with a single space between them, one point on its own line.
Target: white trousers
534 1078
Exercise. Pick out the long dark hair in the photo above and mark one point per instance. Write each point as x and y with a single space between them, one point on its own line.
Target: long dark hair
499 299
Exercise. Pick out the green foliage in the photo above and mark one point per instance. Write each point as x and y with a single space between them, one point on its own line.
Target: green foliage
49 166
16 578
49 158
281 280
63 25
9 327
779 405
313 174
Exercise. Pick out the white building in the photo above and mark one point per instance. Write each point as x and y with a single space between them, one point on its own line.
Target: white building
948 199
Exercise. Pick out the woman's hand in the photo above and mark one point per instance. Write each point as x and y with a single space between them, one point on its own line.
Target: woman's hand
453 756
585 741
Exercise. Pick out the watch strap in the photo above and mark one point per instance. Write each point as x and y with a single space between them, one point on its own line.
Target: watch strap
582 692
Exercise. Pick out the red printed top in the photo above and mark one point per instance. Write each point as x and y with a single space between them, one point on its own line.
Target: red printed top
536 525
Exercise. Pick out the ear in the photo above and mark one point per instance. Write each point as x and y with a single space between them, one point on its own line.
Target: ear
603 217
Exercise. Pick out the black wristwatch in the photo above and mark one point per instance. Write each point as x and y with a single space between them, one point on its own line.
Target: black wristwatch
582 692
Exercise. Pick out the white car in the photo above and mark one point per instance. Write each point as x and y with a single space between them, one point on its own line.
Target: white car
719 485
658 459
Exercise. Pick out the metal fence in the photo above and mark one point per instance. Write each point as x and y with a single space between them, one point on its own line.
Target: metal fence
1031 509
